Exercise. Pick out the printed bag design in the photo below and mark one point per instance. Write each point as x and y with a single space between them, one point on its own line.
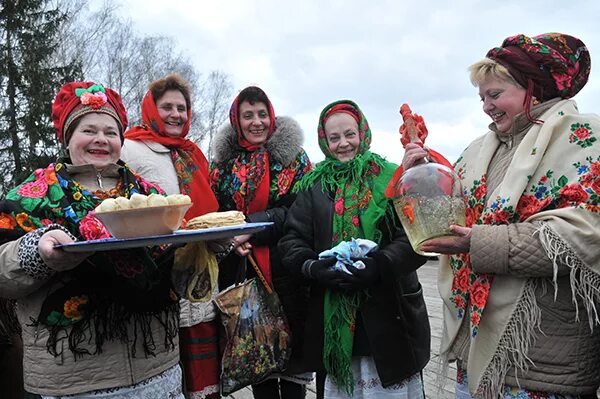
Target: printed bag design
258 337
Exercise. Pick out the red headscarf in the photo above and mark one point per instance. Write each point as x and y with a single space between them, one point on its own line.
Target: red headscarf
261 175
547 66
76 99
153 129
342 108
234 119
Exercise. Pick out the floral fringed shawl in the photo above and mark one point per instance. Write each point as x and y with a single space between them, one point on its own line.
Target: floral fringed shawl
359 204
109 292
554 178
254 181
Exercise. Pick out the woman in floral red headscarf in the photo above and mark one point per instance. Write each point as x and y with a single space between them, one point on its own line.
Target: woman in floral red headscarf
160 152
520 284
82 312
258 161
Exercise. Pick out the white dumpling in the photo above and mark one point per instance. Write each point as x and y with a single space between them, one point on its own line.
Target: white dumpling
108 205
99 208
122 203
185 199
138 201
157 200
173 199
178 199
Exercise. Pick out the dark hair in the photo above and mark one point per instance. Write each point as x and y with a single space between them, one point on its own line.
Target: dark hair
253 94
70 131
172 81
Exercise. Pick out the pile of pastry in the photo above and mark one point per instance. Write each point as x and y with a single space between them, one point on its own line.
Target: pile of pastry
216 219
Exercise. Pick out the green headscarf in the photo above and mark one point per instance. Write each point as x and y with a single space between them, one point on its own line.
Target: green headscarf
359 204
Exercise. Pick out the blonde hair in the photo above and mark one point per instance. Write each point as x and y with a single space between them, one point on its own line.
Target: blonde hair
488 68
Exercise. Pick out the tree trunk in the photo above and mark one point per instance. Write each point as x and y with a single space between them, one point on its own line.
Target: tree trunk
13 127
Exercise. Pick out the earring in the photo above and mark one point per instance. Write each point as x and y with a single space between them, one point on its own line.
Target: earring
535 101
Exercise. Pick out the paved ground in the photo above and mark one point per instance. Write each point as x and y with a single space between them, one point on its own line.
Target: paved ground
427 276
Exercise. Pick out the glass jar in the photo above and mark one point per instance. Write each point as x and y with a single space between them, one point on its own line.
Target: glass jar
428 199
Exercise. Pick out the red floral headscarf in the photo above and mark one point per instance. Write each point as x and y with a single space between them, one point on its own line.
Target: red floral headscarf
349 108
548 66
76 99
234 118
190 163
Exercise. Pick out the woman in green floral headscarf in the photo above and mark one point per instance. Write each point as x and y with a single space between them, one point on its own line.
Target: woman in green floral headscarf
368 330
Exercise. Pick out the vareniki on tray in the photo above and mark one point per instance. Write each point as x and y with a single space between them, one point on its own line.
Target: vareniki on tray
142 201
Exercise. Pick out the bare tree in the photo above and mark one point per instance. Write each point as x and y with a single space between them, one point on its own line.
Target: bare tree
217 93
84 29
154 59
113 53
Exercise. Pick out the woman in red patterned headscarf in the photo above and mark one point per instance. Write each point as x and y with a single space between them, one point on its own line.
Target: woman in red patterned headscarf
520 284
258 161
160 152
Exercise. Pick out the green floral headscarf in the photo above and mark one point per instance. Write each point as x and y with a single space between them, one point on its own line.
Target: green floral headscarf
359 204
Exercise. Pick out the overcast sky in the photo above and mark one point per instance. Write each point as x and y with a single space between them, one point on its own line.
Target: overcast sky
380 54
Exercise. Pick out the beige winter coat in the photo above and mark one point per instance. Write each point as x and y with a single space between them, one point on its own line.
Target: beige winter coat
565 355
115 366
562 353
48 375
153 162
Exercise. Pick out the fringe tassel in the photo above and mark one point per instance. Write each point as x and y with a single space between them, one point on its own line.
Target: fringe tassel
527 102
337 352
333 173
442 365
514 344
585 283
9 324
114 325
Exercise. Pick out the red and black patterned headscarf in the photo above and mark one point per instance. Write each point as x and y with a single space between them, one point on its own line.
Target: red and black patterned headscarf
251 92
548 65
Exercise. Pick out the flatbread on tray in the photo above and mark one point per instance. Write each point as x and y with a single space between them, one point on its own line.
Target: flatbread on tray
216 219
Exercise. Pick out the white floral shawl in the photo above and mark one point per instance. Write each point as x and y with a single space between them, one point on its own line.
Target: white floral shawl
554 178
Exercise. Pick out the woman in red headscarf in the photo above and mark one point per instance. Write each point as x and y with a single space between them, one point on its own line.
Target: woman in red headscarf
258 161
93 324
520 282
160 152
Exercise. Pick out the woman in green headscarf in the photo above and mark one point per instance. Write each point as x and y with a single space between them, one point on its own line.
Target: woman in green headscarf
367 329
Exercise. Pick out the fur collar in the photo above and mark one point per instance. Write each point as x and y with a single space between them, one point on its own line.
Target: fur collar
283 146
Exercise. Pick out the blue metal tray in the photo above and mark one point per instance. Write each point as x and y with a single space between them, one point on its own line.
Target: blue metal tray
177 237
